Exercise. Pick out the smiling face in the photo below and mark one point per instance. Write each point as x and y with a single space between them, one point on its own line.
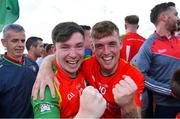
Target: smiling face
107 51
69 54
14 43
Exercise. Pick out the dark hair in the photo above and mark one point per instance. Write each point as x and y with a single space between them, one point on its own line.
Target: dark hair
63 31
48 47
44 45
131 19
158 9
14 27
175 83
85 27
103 29
32 41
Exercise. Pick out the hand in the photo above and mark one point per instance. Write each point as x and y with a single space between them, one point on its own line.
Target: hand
124 91
45 77
92 104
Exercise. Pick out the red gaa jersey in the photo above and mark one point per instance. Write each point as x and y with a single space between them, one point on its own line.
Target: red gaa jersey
70 90
91 70
131 44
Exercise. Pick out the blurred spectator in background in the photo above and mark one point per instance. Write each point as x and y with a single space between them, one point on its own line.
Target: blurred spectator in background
34 46
177 32
131 41
43 54
88 41
50 49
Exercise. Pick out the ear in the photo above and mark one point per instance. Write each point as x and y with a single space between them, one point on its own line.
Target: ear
163 17
54 49
4 42
32 48
125 26
137 26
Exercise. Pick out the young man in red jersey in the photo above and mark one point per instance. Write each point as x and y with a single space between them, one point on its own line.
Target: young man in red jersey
120 83
131 41
68 38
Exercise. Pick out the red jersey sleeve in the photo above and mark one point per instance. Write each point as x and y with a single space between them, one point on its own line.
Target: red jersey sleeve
88 70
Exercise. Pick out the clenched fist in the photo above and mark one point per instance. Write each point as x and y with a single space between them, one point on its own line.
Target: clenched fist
92 104
124 91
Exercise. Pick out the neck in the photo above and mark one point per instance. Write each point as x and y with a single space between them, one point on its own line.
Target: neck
106 73
131 31
132 28
32 57
15 59
73 76
162 31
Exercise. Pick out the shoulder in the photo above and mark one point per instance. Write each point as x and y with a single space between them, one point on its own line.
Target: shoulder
4 62
1 58
152 38
137 76
31 64
39 61
132 71
3 66
140 37
148 43
89 61
128 69
121 37
135 69
129 65
29 61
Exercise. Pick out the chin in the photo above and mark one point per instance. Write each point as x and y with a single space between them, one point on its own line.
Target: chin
73 71
110 67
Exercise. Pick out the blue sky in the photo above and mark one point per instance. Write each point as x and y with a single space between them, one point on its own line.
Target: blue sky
39 17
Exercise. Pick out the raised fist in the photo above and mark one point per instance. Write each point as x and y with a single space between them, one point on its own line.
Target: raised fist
92 104
124 91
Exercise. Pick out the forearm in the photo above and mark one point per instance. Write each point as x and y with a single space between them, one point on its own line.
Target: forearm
130 111
157 87
44 77
144 61
47 62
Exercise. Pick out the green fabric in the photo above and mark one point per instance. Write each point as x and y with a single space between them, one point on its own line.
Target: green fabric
9 12
11 62
87 56
47 108
54 68
121 37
